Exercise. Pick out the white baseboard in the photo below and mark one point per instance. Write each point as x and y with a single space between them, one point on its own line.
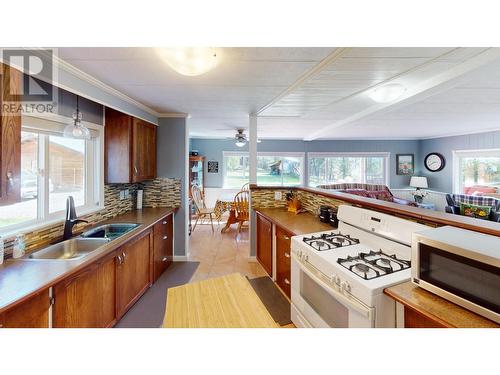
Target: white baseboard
180 258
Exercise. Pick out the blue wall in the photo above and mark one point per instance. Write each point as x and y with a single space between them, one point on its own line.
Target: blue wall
172 144
212 150
443 180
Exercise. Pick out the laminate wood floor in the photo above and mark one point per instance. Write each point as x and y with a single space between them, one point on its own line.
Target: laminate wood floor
221 254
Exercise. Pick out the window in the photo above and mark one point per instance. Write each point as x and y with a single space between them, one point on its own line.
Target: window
53 168
476 168
348 168
279 169
236 169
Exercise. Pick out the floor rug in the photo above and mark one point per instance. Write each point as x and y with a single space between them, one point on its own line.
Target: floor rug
149 310
275 302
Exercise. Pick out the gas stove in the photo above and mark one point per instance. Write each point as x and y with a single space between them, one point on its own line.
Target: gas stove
329 241
345 271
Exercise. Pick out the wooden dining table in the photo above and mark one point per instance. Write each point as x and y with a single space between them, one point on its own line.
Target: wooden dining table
225 203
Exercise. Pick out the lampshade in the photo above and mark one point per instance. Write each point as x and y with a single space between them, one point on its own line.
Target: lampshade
419 182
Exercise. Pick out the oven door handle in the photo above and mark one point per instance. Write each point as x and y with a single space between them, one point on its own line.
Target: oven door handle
348 301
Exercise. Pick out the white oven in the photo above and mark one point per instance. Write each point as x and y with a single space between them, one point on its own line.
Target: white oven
319 302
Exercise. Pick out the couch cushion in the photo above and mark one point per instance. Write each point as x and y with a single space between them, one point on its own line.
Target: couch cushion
360 192
381 194
478 212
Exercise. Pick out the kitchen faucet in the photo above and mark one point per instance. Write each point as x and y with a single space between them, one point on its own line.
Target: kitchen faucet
71 219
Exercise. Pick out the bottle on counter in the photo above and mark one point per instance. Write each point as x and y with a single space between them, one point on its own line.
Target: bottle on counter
1 250
19 246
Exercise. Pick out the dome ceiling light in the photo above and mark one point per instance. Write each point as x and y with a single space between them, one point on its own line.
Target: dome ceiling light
190 61
387 93
240 138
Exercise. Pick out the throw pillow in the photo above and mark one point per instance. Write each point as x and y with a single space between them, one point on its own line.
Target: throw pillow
478 212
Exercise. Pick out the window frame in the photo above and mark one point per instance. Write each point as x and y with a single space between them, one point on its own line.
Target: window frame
385 155
45 126
456 154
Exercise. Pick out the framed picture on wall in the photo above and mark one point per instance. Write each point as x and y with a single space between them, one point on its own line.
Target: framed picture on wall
405 164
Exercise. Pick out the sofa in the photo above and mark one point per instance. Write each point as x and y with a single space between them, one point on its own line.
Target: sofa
380 192
454 200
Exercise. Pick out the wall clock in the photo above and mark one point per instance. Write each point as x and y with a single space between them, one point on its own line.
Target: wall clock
434 162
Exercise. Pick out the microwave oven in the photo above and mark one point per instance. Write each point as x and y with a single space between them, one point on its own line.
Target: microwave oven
461 266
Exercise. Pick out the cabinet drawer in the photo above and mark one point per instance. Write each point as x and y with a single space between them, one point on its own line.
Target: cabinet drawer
163 246
283 257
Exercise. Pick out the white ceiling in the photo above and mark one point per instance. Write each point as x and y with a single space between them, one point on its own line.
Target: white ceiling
313 93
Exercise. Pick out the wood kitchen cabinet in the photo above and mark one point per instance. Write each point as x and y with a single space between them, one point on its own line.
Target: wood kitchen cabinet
133 273
283 257
265 244
129 148
32 313
87 299
162 246
10 137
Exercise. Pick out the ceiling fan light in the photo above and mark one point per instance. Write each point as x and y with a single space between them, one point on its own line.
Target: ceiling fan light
240 142
189 61
387 93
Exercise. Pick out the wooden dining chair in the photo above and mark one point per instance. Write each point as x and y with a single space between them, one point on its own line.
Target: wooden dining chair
246 186
241 207
200 207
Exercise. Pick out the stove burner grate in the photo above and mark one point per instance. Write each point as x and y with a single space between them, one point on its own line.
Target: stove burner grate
330 241
374 264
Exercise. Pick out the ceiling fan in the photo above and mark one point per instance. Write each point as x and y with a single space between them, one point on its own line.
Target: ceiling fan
240 138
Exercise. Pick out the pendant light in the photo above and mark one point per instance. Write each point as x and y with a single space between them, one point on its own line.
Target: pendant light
76 129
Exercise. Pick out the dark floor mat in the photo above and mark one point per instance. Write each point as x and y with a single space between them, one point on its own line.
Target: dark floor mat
149 310
275 302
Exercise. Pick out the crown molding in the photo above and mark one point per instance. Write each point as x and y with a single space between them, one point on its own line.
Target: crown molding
173 115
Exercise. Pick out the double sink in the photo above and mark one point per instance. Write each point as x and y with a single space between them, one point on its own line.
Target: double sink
85 244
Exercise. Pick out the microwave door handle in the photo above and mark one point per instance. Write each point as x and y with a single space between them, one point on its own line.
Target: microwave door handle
349 302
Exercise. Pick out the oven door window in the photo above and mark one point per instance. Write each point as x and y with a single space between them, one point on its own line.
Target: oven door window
472 280
327 307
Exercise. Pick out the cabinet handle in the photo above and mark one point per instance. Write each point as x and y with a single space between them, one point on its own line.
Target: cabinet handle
120 259
10 180
164 259
164 222
287 255
124 255
135 170
286 238
165 237
286 282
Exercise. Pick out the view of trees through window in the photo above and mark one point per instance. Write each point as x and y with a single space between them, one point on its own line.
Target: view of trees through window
484 170
347 169
271 170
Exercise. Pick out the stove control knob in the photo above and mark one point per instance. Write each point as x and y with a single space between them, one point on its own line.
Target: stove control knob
344 285
335 279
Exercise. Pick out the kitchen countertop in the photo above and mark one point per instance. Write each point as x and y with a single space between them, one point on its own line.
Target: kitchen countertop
299 224
223 302
437 308
20 279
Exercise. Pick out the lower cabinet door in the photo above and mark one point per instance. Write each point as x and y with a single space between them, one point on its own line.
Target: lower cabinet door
265 244
283 265
163 246
134 274
87 300
32 313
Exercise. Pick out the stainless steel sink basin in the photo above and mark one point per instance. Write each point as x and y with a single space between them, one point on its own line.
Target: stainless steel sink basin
75 248
109 231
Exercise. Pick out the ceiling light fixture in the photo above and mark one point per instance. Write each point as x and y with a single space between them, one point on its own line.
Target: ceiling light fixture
240 137
387 93
76 129
190 61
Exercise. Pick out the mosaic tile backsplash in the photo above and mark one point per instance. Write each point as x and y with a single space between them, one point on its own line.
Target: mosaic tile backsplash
161 192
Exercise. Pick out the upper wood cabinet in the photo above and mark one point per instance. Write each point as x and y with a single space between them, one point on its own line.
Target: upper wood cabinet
32 313
10 137
129 148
